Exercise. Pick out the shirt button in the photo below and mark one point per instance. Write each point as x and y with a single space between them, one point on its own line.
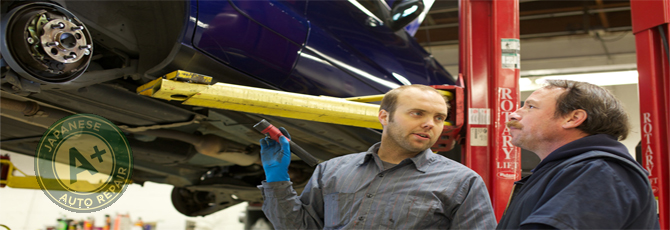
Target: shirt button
361 218
370 195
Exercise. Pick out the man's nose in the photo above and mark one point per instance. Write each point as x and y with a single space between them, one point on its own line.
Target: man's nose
429 123
515 115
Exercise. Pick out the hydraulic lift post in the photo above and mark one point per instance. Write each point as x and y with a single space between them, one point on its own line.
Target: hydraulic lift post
489 63
650 26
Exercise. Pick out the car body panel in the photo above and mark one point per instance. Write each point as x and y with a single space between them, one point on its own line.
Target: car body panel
244 35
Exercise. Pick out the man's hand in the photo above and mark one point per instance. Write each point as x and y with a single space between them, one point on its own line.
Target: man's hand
276 157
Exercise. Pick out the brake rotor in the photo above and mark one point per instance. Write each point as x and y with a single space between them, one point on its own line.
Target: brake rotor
46 43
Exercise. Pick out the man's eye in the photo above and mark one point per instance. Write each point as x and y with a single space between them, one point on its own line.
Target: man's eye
416 113
531 107
439 118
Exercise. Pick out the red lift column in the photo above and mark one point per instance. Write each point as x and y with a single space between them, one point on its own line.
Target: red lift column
650 26
489 54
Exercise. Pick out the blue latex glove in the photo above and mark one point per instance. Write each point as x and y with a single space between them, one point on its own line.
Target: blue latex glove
276 157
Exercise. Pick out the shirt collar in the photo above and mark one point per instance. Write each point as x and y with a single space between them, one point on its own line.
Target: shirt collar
421 161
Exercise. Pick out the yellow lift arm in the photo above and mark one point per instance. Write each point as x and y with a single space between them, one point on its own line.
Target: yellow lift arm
344 111
30 182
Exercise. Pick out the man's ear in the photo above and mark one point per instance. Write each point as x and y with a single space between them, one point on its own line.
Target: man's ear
575 119
383 117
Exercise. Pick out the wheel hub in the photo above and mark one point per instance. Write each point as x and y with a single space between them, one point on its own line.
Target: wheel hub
46 43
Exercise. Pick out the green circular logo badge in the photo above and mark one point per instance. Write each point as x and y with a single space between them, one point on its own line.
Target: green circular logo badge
83 163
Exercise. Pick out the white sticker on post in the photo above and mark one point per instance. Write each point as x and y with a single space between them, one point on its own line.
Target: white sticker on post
485 116
479 136
473 117
511 53
479 116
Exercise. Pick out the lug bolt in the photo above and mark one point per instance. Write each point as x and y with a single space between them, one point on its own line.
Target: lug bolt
75 28
30 40
49 44
86 48
71 56
60 25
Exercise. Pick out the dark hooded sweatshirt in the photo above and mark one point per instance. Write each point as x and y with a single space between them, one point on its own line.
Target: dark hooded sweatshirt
590 183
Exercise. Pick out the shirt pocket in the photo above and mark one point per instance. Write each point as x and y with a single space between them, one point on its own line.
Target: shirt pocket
338 210
418 212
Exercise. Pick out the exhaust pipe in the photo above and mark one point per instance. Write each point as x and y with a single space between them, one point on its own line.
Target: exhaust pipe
212 145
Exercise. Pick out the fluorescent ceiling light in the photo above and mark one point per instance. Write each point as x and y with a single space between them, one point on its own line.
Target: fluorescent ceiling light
601 79
583 69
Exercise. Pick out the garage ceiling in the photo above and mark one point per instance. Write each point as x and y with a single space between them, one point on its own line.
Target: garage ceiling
557 37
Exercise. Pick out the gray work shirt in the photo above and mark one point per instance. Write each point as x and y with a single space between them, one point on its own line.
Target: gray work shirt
428 191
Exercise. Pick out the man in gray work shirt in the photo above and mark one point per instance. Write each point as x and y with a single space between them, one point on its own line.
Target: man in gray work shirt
397 184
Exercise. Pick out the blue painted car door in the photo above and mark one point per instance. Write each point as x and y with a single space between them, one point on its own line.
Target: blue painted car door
260 37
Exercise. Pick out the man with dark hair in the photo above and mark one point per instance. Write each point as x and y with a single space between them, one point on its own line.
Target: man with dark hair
397 184
586 179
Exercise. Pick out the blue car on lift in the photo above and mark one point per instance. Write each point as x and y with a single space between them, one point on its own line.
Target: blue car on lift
90 56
